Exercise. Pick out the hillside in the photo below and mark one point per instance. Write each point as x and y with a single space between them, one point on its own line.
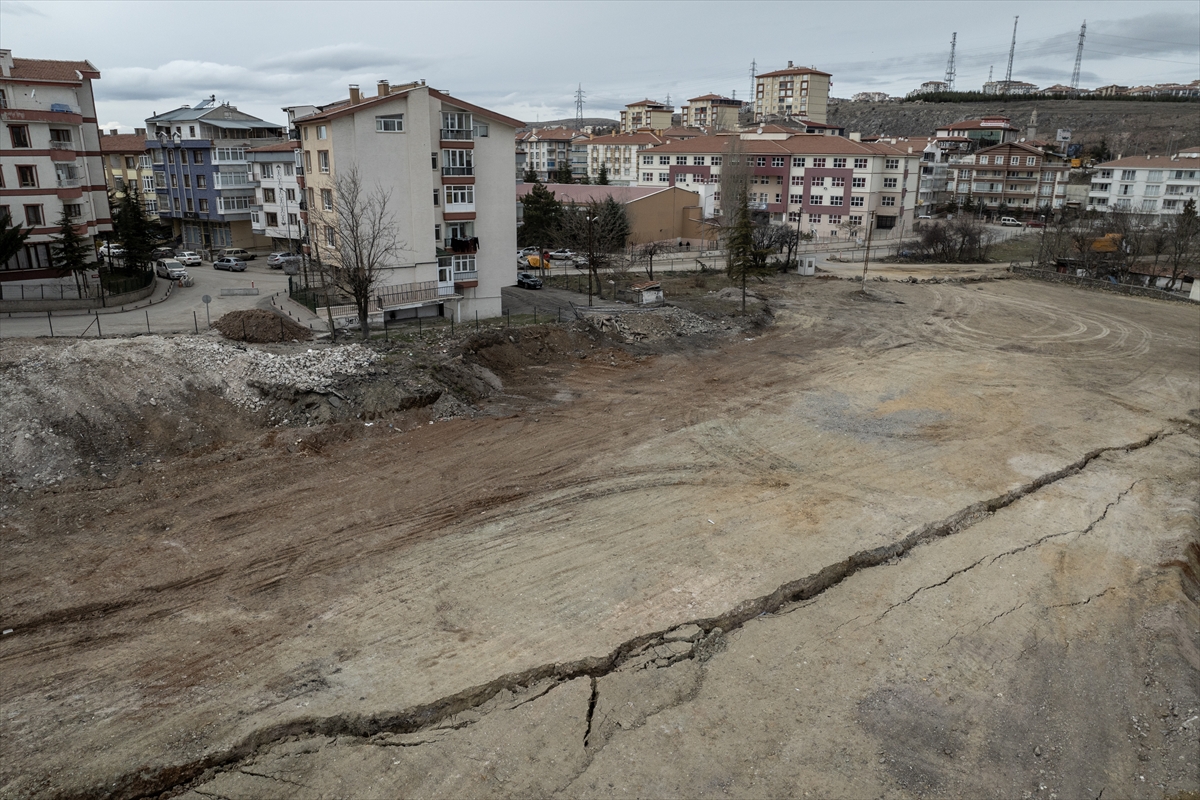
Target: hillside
570 122
1128 126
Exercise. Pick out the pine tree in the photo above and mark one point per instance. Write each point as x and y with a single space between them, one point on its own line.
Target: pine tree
12 238
542 218
585 180
69 250
530 176
602 178
743 258
563 173
134 231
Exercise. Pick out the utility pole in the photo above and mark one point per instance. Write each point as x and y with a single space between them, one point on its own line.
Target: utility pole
1078 59
579 95
1012 49
753 84
867 256
950 70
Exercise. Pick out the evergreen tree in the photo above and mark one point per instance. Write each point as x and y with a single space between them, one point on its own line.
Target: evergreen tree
614 225
542 218
530 176
12 238
134 230
602 178
585 180
69 250
745 256
563 173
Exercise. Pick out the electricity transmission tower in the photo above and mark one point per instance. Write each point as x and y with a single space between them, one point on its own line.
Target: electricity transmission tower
579 108
1011 50
950 71
1078 58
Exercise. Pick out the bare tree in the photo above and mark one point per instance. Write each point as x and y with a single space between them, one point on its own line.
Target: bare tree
1183 251
646 252
356 241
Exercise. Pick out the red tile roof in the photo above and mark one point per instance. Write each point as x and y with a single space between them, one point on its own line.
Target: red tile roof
341 108
794 71
584 193
626 138
278 147
40 69
647 103
797 144
1151 161
123 143
709 97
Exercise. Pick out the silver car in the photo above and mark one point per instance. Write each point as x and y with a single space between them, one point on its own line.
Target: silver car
230 263
169 268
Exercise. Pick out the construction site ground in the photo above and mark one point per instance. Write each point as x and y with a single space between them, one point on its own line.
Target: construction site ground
940 540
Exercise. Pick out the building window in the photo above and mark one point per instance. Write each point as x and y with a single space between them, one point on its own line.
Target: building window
839 163
391 123
323 160
1154 176
814 219
327 199
288 170
267 172
197 156
777 161
858 183
330 236
856 200
203 206
27 177
648 160
836 182
816 181
816 200
1149 205
698 161
436 200
130 161
716 161
187 180
170 156
290 194
73 210
797 180
889 183
201 182
268 195
1128 174
19 135
664 160
983 159
835 200
664 177
272 219
860 163
682 160
793 216
835 219
891 163
174 181
1013 160
458 195
147 183
292 220
321 133
143 162
856 219
795 199
648 177
458 162
190 204
818 162
1030 161
308 159
888 201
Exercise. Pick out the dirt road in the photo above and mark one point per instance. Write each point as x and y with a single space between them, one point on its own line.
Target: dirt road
948 534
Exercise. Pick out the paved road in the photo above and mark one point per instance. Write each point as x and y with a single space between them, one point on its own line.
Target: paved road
550 302
182 311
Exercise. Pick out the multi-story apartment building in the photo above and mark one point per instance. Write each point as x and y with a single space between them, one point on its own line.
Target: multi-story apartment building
982 132
1017 175
50 158
547 148
711 111
1009 87
203 179
618 152
1157 186
792 92
127 163
447 165
649 114
819 182
276 212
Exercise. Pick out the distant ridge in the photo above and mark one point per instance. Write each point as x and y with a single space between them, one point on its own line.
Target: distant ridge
570 122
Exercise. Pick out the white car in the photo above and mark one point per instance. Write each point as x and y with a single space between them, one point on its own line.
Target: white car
1010 222
112 250
561 255
188 258
169 268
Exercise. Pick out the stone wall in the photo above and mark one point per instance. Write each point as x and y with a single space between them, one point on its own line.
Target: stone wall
1092 283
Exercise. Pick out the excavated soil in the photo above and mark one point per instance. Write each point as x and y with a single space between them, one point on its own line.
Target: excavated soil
945 544
260 326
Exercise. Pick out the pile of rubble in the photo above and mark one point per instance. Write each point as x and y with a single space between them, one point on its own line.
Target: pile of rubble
639 325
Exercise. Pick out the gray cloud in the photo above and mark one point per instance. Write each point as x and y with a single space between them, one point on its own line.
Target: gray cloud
341 58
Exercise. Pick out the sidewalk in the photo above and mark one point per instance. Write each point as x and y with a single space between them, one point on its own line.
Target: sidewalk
162 291
298 313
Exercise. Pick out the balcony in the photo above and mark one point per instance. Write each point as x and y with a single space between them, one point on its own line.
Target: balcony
458 170
56 145
68 183
232 181
412 294
452 134
462 246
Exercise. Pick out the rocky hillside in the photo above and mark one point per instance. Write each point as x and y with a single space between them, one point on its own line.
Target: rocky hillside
1128 126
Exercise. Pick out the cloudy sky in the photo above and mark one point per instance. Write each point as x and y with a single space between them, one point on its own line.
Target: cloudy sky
525 59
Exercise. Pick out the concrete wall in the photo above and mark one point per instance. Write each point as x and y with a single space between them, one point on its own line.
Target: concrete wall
1092 283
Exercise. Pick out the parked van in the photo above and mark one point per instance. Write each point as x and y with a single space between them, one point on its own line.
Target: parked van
1009 222
236 252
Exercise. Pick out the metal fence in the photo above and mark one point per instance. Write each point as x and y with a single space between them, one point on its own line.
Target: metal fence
109 285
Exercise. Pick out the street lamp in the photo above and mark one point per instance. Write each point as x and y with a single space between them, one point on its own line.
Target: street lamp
591 256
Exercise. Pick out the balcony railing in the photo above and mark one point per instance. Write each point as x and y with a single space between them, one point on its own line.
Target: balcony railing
464 246
68 183
232 181
56 145
454 133
458 170
407 293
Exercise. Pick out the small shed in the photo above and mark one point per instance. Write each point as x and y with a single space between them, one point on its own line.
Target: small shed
649 293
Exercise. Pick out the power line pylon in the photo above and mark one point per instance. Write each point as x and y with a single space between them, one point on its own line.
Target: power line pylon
579 108
1078 59
1012 49
950 71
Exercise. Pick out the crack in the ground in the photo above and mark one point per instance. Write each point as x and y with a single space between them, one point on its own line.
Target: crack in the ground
920 589
145 783
591 710
245 771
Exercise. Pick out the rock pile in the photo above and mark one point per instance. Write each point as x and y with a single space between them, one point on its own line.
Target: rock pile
649 325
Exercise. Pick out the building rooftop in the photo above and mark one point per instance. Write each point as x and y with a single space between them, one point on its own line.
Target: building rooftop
584 193
40 69
340 108
1161 162
779 73
796 144
988 123
277 147
648 103
122 143
640 137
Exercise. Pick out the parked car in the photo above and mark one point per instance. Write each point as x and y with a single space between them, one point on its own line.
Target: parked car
238 253
527 281
274 260
230 263
163 252
112 250
527 251
287 261
188 258
561 255
169 268
1010 222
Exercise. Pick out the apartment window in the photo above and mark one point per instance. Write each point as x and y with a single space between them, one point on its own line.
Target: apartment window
170 156
797 180
1105 174
858 183
327 199
73 210
760 161
835 200
856 200
130 161
201 182
860 163
292 220
147 183
819 162
143 162
330 236
777 161
268 195
174 181
480 131
647 176
795 199
836 182
436 197
458 162
321 132
1012 160
793 216
664 160
681 160
203 206
267 172
1101 187
816 181
151 206
437 233
1126 189
716 161
648 160
290 194
433 157
891 163
835 219
798 161
323 160
1170 205
305 133
190 204
27 177
272 219
1030 161
197 156
119 183
1153 191
187 181
664 177
983 159
816 200
3 103
1184 174
1154 176
889 183
1128 174
839 163
308 160
288 170
19 135
1149 205
457 195
391 123
698 161
814 219
856 219
888 201
310 198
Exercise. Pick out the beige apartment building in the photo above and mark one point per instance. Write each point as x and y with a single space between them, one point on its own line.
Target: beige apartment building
1018 176
825 184
50 160
618 153
711 111
448 165
649 114
126 164
801 92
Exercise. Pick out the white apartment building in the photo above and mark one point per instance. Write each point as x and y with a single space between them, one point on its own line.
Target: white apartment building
822 183
448 166
547 148
800 92
50 159
711 111
618 153
278 169
1158 186
649 114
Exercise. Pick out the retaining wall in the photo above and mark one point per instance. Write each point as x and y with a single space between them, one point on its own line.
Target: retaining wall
110 301
1093 283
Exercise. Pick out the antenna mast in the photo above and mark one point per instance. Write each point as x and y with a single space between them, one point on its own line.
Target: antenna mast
753 75
1078 58
579 108
950 71
1011 50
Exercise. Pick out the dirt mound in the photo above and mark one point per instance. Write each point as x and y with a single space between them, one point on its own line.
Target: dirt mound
644 325
261 326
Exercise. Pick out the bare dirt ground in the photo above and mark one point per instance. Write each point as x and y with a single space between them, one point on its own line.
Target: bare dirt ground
938 542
